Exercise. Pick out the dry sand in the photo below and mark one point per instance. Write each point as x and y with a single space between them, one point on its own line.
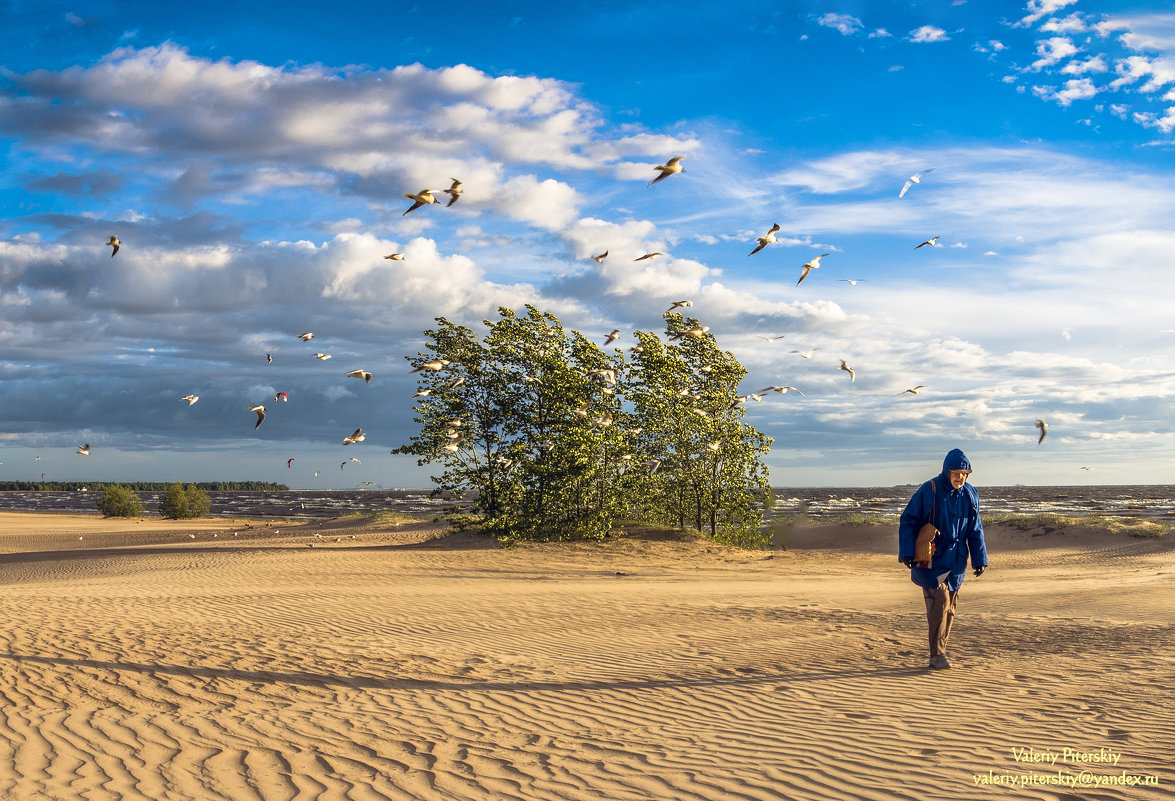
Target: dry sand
152 660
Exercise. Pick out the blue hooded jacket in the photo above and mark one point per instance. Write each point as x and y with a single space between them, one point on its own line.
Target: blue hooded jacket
956 516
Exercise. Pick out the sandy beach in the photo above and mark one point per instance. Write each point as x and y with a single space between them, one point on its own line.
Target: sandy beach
229 659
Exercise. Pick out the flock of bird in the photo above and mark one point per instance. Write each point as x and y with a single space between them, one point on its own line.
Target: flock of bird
671 167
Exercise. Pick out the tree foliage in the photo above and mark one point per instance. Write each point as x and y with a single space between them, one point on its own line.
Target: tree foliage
117 501
558 438
179 503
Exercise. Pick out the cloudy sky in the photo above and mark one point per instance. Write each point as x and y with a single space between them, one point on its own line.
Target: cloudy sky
253 162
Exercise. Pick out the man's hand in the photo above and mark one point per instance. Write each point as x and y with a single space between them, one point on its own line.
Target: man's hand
908 562
979 570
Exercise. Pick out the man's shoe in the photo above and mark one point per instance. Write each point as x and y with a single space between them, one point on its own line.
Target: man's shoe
940 662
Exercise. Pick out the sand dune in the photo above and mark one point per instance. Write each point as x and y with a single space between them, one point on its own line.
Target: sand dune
143 663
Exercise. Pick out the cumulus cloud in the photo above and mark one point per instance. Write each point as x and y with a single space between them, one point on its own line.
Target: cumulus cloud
1043 8
846 24
928 33
1051 51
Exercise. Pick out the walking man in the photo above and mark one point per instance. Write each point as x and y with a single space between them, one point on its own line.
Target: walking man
938 531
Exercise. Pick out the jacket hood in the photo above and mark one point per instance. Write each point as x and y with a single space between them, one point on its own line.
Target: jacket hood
956 460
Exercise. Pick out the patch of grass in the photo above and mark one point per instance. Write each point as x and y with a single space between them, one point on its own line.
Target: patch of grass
390 518
1054 521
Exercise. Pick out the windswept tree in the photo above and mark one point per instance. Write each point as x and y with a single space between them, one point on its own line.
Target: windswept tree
558 438
705 465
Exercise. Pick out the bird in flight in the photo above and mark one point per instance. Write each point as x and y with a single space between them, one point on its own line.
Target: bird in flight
852 281
765 240
114 245
849 370
309 335
366 376
650 256
453 192
289 464
269 358
912 390
421 198
395 256
805 354
1043 427
322 357
814 264
916 178
780 390
435 364
599 258
260 410
671 167
680 304
421 394
190 399
357 436
84 450
615 335
769 340
933 242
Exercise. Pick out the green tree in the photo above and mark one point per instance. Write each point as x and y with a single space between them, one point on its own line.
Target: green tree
179 503
119 502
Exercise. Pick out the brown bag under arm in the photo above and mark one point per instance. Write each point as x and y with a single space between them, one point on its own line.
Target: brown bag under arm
924 542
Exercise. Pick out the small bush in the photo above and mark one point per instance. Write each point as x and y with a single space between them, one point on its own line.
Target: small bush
119 502
180 504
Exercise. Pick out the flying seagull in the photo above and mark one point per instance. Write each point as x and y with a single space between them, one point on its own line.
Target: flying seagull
765 240
421 198
114 245
84 450
322 357
615 335
770 339
680 304
805 354
453 192
395 256
190 399
916 178
309 335
912 390
269 358
652 255
260 415
358 436
366 376
671 167
852 281
780 390
809 267
933 242
1043 427
849 370
435 364
599 258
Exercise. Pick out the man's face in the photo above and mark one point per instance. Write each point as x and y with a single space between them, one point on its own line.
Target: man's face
958 477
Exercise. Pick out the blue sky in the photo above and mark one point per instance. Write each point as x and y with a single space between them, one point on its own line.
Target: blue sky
252 158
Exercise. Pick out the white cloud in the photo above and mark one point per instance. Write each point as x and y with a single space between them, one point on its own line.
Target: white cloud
881 33
1157 72
1043 8
928 33
1073 23
1075 89
1051 51
1095 64
846 24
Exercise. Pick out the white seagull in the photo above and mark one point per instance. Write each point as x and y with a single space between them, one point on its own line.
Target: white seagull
260 415
814 264
912 390
671 167
453 192
435 364
933 242
615 335
395 256
84 450
190 399
421 198
366 376
765 240
309 335
680 304
916 178
599 257
849 370
358 436
114 245
650 256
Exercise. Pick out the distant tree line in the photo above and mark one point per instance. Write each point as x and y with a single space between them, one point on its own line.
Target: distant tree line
560 438
139 486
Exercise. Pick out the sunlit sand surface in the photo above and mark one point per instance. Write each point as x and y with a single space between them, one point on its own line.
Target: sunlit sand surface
140 663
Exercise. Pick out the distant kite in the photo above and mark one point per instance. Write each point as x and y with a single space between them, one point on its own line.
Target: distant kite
281 396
